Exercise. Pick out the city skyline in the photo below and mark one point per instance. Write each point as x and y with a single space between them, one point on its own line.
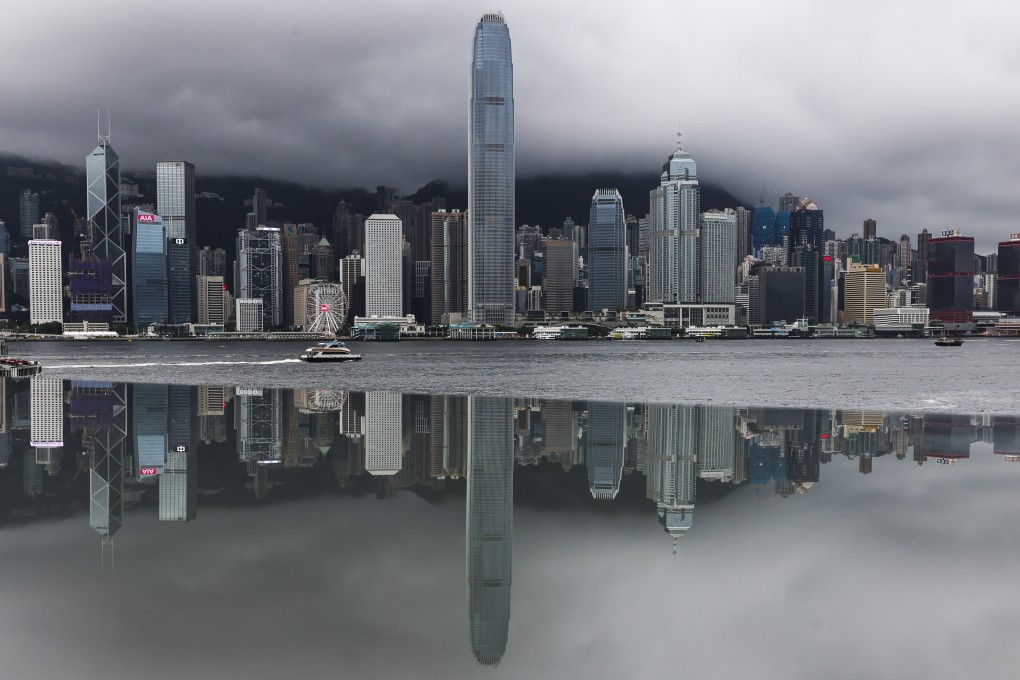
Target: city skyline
818 109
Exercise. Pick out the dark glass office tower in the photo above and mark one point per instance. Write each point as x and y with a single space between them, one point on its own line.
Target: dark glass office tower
1007 293
951 278
607 249
491 260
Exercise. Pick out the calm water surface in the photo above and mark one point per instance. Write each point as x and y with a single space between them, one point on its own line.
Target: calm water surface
149 530
981 376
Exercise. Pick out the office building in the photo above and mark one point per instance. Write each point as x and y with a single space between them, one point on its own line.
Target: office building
212 293
323 261
90 284
150 407
175 198
921 261
718 242
383 266
559 275
491 261
864 291
149 289
45 285
607 252
258 273
763 228
179 280
102 170
744 234
29 209
673 252
449 265
1007 282
178 487
606 443
870 229
781 291
250 315
212 262
48 229
951 278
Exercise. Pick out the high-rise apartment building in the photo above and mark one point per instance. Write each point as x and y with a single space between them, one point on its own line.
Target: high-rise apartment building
718 242
258 273
45 282
148 271
675 210
951 277
491 263
607 252
383 266
864 291
102 170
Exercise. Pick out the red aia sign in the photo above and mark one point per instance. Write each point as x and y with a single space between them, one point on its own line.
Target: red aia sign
323 308
147 471
146 218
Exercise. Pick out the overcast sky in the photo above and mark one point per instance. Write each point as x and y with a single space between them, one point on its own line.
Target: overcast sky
904 111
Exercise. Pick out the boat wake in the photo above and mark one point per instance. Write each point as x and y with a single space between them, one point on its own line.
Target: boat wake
178 363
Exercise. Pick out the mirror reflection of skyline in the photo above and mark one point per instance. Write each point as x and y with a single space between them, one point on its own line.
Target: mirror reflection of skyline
170 446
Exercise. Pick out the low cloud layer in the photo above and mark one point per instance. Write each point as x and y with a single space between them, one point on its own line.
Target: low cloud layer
900 111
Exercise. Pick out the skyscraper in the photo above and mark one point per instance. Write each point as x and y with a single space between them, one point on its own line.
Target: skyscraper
383 444
449 264
175 198
258 272
211 300
102 170
864 292
1007 292
383 266
951 277
491 175
45 287
606 442
560 260
607 252
148 271
29 211
718 243
675 209
870 229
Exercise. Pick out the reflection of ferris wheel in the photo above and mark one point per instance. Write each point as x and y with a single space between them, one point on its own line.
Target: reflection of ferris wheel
325 400
327 307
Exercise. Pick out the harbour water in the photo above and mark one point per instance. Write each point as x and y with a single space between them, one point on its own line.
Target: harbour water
982 376
231 530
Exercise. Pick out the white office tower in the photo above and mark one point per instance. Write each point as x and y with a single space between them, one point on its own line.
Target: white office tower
675 210
45 290
718 243
249 315
383 442
717 443
47 410
384 289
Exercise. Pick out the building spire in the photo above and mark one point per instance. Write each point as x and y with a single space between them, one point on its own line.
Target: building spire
104 140
679 138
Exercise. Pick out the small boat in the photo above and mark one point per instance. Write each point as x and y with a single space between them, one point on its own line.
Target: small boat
11 367
329 351
947 341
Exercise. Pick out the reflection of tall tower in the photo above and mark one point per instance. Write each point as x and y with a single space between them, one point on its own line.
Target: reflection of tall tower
449 435
717 440
605 448
259 424
47 412
151 404
106 478
489 523
178 486
383 445
672 464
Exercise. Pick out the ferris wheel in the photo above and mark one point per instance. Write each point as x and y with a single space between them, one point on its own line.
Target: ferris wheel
327 307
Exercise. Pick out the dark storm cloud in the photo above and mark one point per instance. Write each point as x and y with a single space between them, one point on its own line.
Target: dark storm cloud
902 111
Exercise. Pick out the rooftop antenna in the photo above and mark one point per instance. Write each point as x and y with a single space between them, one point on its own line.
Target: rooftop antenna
103 140
679 137
763 193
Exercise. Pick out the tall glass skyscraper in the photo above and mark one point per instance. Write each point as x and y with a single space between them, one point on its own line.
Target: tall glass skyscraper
175 198
607 252
102 170
674 213
148 271
491 175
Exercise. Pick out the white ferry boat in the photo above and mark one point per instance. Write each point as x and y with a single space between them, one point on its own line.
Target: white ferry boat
641 333
329 351
560 333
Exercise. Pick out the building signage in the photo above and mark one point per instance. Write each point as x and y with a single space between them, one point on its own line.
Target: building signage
1014 237
1012 459
179 241
945 461
145 471
324 308
142 217
949 232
